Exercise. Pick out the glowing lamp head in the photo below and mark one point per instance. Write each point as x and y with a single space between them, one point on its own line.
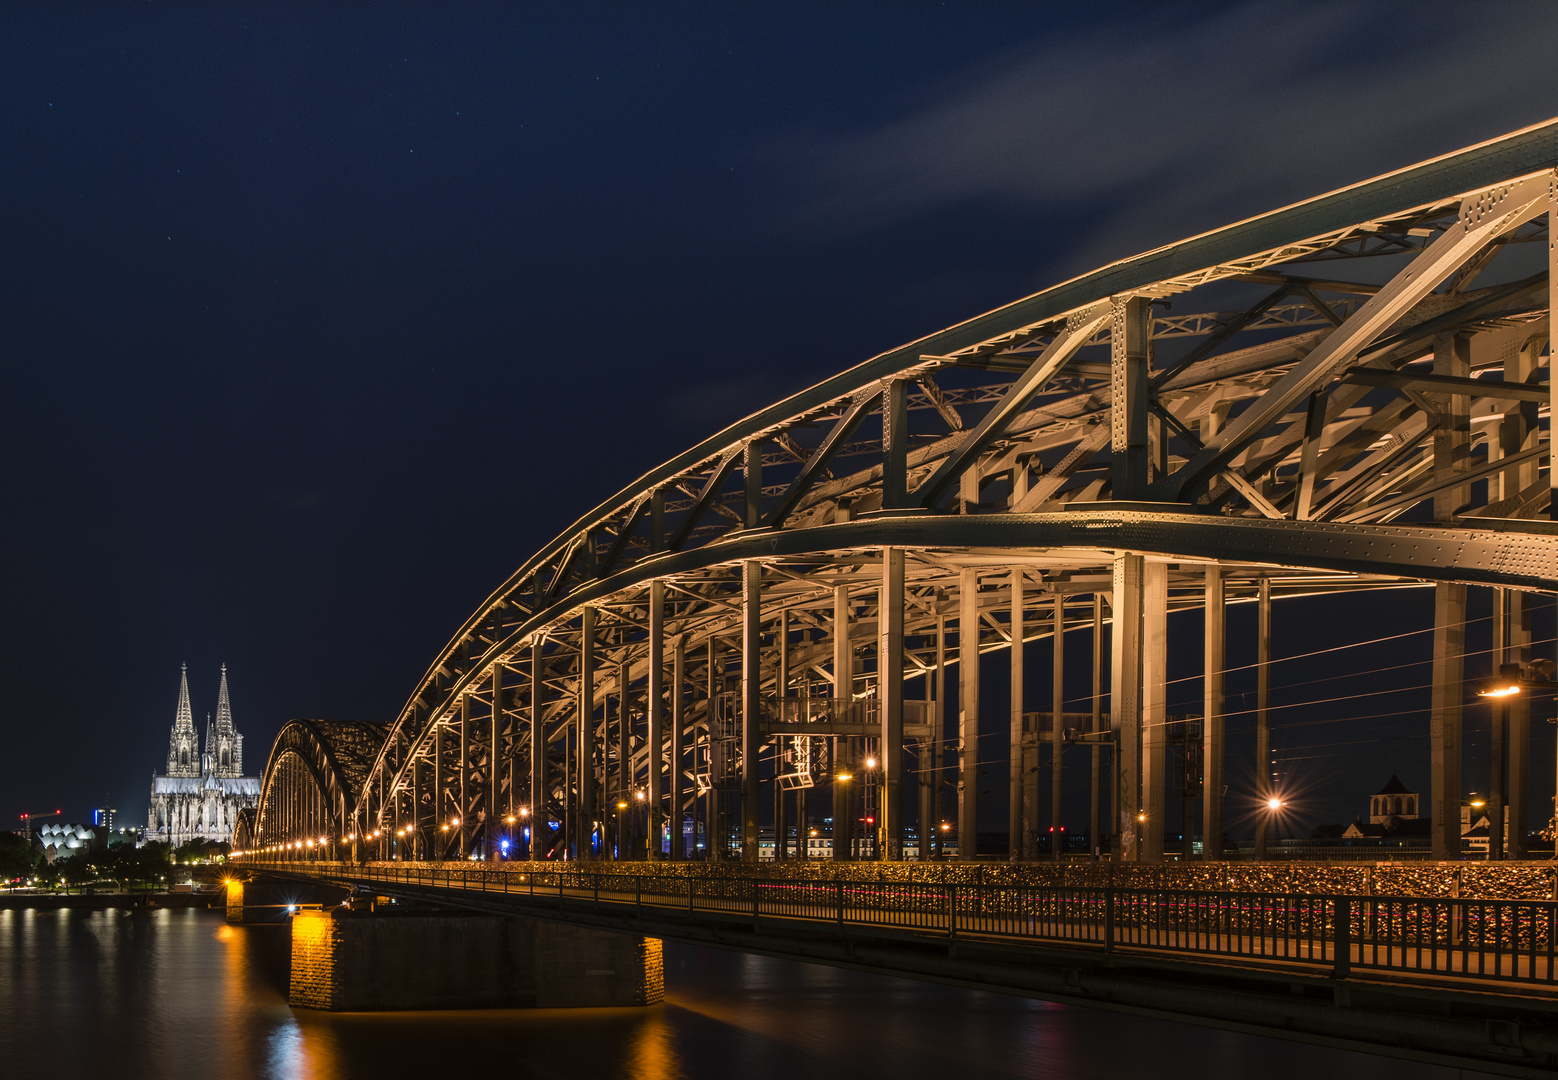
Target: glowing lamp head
1501 690
843 776
622 804
1273 803
870 762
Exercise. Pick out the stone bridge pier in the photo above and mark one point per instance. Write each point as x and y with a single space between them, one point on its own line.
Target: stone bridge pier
272 900
376 958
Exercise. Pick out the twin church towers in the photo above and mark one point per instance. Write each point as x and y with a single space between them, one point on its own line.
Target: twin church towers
201 793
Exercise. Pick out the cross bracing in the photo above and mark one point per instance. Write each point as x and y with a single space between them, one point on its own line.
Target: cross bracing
1217 420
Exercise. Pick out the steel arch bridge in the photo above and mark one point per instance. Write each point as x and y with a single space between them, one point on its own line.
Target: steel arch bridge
312 781
1353 392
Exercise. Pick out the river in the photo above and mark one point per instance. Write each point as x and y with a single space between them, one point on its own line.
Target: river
174 994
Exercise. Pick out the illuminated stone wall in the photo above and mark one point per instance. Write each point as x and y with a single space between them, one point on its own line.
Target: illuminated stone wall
357 961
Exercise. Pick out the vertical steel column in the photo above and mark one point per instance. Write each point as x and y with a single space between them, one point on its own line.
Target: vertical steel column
1497 723
843 654
494 823
1128 361
1057 724
1095 837
1126 701
1154 722
925 761
626 774
939 730
781 693
537 750
895 445
416 800
1518 806
436 831
1445 720
889 692
968 711
711 800
1021 822
465 825
585 733
1452 438
1213 707
678 719
1264 792
655 754
751 685
753 474
843 698
1552 353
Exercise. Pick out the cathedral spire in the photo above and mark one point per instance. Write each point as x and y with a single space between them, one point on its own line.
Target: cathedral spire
183 742
184 719
224 711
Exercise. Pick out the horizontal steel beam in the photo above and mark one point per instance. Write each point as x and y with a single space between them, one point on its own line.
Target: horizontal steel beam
1448 384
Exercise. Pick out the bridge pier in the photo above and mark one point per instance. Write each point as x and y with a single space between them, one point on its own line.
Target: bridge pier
266 900
351 961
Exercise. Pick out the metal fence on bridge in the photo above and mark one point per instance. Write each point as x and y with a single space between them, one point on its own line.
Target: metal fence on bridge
1502 940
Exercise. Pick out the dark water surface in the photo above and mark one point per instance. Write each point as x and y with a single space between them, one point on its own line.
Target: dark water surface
141 995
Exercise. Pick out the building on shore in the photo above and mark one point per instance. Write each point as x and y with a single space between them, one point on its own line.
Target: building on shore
200 794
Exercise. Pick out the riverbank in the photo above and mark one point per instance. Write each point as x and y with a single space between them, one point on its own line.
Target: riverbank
102 901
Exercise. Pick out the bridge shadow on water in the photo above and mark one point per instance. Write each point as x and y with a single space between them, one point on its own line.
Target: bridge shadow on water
180 994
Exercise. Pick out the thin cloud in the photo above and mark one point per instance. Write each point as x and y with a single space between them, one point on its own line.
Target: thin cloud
1178 126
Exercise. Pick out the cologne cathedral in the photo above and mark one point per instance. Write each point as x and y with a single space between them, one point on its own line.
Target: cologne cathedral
200 795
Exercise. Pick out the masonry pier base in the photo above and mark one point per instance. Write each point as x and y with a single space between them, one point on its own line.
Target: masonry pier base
345 960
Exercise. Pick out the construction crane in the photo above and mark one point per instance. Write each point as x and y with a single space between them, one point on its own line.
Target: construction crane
28 819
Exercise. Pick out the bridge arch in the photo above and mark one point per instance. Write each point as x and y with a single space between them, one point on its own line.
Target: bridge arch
1317 411
311 784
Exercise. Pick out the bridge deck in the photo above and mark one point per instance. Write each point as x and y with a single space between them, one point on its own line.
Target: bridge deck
1461 982
1425 939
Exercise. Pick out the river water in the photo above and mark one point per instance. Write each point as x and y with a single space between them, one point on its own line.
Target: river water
174 994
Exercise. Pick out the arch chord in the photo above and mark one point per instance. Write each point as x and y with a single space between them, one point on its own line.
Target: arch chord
1352 393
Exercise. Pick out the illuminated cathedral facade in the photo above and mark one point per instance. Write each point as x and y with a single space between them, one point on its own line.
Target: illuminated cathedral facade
200 794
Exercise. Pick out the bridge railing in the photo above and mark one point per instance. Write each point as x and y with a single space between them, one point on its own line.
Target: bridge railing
1484 939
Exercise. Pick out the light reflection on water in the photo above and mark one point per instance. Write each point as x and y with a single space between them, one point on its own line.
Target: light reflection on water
143 995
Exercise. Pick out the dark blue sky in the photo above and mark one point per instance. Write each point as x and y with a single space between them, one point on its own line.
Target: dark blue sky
316 325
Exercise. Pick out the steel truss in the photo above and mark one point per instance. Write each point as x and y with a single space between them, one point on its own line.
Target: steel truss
1215 420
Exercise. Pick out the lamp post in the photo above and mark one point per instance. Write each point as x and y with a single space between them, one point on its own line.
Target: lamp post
843 812
1513 679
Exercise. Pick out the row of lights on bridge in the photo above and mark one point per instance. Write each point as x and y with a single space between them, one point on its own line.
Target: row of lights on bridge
323 841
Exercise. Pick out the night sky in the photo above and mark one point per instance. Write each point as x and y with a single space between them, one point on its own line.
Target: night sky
318 323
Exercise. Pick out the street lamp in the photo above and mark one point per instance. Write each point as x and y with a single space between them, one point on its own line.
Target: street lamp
1513 679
